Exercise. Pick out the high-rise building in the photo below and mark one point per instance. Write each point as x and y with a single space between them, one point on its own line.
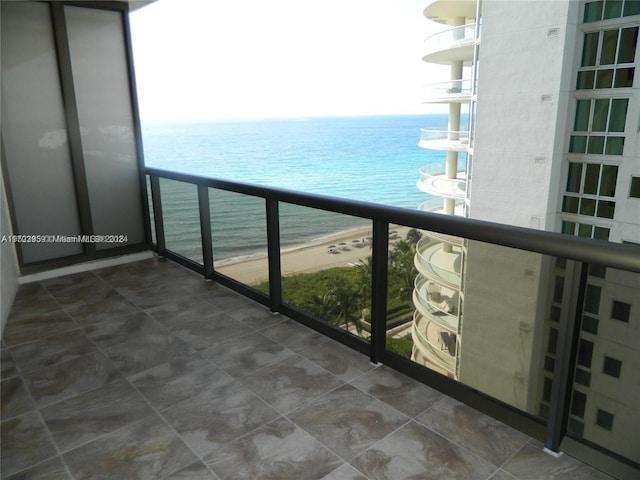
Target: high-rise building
551 141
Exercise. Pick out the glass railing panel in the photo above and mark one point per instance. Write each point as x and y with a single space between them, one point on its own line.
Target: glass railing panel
181 219
326 266
606 381
400 281
490 331
239 233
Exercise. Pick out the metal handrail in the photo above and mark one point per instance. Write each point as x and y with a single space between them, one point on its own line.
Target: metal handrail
614 255
582 250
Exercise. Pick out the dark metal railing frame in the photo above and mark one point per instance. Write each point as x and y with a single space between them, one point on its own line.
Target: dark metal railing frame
580 252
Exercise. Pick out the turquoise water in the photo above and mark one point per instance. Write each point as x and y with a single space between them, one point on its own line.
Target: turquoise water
373 159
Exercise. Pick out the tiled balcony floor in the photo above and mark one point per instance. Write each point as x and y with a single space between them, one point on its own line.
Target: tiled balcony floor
147 371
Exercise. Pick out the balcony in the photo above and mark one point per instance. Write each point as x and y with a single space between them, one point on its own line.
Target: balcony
434 205
437 303
442 139
438 264
149 371
146 370
459 91
430 345
433 180
451 45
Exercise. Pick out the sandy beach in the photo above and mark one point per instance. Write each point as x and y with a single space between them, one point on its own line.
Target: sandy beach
307 258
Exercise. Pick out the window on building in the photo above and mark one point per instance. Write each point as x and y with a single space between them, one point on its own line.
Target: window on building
553 340
608 59
590 324
620 311
604 419
585 230
590 191
576 426
546 389
549 363
582 377
597 271
585 353
612 367
578 404
592 299
606 9
599 126
634 190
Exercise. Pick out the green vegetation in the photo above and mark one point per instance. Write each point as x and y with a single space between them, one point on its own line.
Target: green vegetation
342 295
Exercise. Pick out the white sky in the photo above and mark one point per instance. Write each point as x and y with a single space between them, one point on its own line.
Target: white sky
199 59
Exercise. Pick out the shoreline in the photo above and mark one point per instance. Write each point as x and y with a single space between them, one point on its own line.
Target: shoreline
308 257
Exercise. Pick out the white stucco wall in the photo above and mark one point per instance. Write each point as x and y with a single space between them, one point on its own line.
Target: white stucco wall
525 75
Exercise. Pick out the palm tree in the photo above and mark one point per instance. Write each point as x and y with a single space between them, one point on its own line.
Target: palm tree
345 302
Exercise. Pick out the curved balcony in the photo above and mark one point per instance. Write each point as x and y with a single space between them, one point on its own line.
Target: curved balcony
451 45
440 139
434 344
436 263
444 11
433 180
446 92
434 205
436 302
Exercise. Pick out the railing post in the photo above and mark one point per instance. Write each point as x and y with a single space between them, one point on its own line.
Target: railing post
379 280
157 214
205 230
273 255
561 386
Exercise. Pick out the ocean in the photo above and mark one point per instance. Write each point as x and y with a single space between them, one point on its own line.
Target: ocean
373 159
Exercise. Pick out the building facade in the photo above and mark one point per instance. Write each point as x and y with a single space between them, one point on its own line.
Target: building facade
552 142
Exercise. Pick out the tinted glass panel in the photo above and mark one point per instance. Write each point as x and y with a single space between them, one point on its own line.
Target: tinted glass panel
585 80
604 419
624 77
587 206
600 113
570 204
582 115
591 179
618 114
608 180
606 209
593 11
634 190
609 46
595 145
590 49
631 7
574 176
601 233
628 44
585 353
612 9
615 146
578 404
612 367
577 144
592 299
620 311
604 79
31 90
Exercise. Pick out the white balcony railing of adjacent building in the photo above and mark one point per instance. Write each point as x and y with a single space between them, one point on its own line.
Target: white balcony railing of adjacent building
452 44
449 91
433 180
443 265
442 139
